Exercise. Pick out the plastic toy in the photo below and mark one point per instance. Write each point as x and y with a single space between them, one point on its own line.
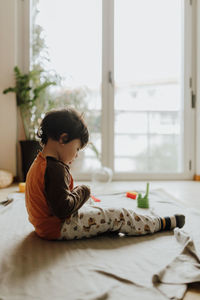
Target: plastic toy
143 202
95 199
132 195
22 186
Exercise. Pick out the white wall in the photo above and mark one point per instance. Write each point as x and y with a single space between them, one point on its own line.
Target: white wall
7 102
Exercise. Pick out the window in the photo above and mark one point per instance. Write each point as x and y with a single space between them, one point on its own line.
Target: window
148 84
126 64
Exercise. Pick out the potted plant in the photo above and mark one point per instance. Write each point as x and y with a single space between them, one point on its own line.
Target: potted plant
28 89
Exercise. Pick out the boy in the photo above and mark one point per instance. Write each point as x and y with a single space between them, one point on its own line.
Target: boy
56 208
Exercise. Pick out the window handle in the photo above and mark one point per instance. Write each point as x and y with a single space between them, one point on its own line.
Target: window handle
110 78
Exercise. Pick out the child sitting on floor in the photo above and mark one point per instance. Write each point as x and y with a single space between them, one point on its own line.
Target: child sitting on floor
56 208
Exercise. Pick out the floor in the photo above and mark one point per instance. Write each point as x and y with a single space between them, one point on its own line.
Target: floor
187 192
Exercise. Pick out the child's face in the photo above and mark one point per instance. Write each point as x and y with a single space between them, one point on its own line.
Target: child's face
68 152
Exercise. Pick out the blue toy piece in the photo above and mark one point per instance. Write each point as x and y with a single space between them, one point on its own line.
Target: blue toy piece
143 202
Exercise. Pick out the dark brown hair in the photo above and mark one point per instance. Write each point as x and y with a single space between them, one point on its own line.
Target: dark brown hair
57 122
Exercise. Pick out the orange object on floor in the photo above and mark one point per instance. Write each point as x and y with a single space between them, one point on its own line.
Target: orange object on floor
22 187
95 199
197 177
132 195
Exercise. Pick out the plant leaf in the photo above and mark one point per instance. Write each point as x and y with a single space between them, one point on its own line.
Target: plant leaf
8 90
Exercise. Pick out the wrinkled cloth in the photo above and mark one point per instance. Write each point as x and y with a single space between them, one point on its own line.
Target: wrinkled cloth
106 267
185 268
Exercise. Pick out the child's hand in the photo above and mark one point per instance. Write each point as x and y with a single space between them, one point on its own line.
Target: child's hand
86 190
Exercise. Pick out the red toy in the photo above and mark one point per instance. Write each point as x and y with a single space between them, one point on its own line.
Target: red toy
95 199
132 195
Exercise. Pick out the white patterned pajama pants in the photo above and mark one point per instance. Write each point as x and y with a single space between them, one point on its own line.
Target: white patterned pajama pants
91 221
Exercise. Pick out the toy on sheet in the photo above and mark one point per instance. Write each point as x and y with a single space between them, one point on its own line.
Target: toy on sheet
143 202
22 186
95 199
132 195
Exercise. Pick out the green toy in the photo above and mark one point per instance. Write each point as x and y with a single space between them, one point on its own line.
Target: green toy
143 202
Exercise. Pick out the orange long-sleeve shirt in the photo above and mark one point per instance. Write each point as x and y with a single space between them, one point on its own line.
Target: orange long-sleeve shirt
50 196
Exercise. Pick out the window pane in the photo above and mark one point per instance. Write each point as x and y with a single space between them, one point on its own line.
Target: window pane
131 145
165 122
129 164
163 153
126 122
66 40
148 85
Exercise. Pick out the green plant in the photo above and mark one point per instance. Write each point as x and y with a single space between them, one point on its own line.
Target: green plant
28 88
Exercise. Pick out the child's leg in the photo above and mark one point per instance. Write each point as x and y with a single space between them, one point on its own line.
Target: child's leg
91 221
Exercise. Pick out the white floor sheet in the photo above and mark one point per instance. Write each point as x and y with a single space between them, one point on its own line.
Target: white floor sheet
151 267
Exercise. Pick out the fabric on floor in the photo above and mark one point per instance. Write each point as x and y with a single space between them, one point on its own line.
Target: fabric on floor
151 267
185 268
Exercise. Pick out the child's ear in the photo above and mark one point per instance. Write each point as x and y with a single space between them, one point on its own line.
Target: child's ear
63 138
